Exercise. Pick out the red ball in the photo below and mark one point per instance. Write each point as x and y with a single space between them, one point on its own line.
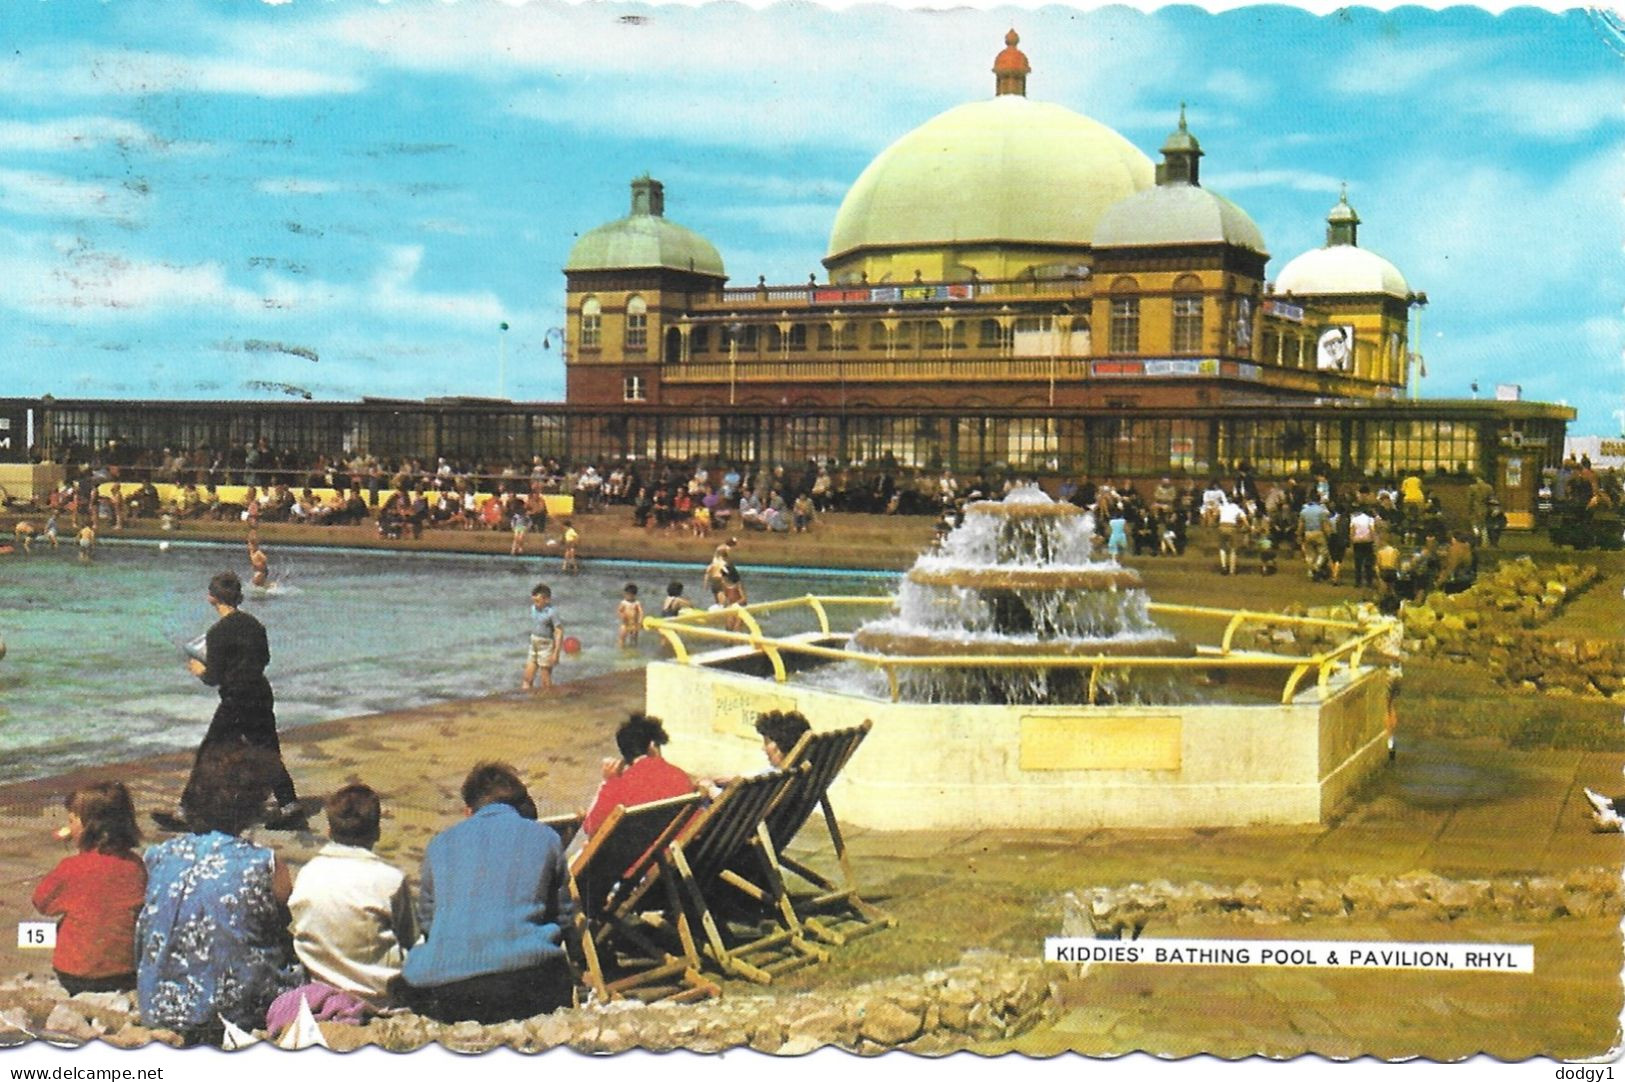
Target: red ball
572 645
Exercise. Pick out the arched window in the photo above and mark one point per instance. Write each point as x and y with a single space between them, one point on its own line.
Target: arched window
1186 333
1187 329
931 334
877 335
1125 329
591 323
775 338
987 336
637 323
1125 324
798 337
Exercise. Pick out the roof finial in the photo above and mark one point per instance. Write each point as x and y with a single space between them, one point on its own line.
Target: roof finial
1342 224
1181 155
1010 67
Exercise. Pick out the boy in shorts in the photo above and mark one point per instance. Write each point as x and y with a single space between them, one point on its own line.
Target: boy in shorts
546 638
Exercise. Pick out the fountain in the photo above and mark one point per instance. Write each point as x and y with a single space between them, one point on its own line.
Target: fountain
1019 681
1019 578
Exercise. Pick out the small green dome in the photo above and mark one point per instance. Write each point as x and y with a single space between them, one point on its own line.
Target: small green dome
1009 169
1177 214
645 238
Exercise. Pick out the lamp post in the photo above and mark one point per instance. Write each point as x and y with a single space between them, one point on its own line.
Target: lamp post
502 359
1417 301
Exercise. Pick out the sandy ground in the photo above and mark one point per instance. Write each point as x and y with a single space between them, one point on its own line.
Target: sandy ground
1460 809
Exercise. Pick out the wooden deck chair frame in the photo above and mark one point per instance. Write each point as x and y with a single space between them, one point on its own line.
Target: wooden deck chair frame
823 755
705 860
608 877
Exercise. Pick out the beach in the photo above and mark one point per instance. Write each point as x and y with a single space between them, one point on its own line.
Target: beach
1462 838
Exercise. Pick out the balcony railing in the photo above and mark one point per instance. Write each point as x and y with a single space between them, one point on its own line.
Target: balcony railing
892 295
895 370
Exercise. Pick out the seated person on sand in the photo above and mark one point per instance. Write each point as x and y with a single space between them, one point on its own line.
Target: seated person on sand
639 776
352 911
212 938
492 899
780 731
97 892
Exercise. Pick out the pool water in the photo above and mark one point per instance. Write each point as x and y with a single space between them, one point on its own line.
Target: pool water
95 670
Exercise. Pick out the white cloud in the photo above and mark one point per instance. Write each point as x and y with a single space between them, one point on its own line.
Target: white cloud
124 74
793 219
1240 87
1546 108
1300 180
52 196
1386 67
296 186
75 133
64 278
1450 82
392 292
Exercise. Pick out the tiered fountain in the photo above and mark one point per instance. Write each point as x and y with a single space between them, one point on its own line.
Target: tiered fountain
1019 579
1021 682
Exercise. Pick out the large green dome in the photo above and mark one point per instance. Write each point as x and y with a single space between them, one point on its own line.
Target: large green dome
645 238
1007 170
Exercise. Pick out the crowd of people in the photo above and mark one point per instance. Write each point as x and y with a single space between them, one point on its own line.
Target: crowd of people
210 927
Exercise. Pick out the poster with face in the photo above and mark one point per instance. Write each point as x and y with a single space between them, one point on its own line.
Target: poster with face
1334 350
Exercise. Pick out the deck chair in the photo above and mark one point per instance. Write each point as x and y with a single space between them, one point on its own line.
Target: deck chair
732 887
836 913
567 826
622 949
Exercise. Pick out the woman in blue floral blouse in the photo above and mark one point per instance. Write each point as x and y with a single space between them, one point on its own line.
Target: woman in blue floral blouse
212 940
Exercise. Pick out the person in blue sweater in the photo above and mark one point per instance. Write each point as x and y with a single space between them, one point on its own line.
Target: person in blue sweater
493 898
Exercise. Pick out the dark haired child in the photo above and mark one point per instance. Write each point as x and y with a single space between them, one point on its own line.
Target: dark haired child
352 910
629 614
676 603
97 892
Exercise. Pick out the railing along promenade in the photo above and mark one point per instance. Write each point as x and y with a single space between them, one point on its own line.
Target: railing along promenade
1348 655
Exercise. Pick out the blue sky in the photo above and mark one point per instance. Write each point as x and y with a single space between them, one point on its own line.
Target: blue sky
209 200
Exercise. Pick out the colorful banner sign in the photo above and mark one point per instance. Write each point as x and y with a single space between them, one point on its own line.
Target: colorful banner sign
1283 310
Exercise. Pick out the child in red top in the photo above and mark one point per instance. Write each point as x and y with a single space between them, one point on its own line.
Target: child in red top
97 892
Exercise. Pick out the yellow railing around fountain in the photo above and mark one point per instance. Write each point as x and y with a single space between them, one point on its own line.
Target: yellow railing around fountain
746 630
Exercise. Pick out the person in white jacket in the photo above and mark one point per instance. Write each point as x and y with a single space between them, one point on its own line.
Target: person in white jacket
352 911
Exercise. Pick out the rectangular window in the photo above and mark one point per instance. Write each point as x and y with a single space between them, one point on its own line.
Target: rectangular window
700 340
1126 325
1187 324
632 388
590 332
637 330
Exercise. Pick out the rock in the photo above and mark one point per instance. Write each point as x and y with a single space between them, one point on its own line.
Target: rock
345 1036
130 1035
886 1023
823 1024
15 1026
64 1021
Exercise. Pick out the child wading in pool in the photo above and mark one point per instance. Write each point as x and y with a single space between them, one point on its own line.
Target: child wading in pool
630 614
571 541
546 638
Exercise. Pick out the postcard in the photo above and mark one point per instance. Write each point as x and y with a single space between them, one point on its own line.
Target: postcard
814 538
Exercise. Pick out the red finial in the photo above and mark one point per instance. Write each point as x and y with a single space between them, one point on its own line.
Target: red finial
1010 67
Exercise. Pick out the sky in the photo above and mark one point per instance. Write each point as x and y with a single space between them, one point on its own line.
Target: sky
224 201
